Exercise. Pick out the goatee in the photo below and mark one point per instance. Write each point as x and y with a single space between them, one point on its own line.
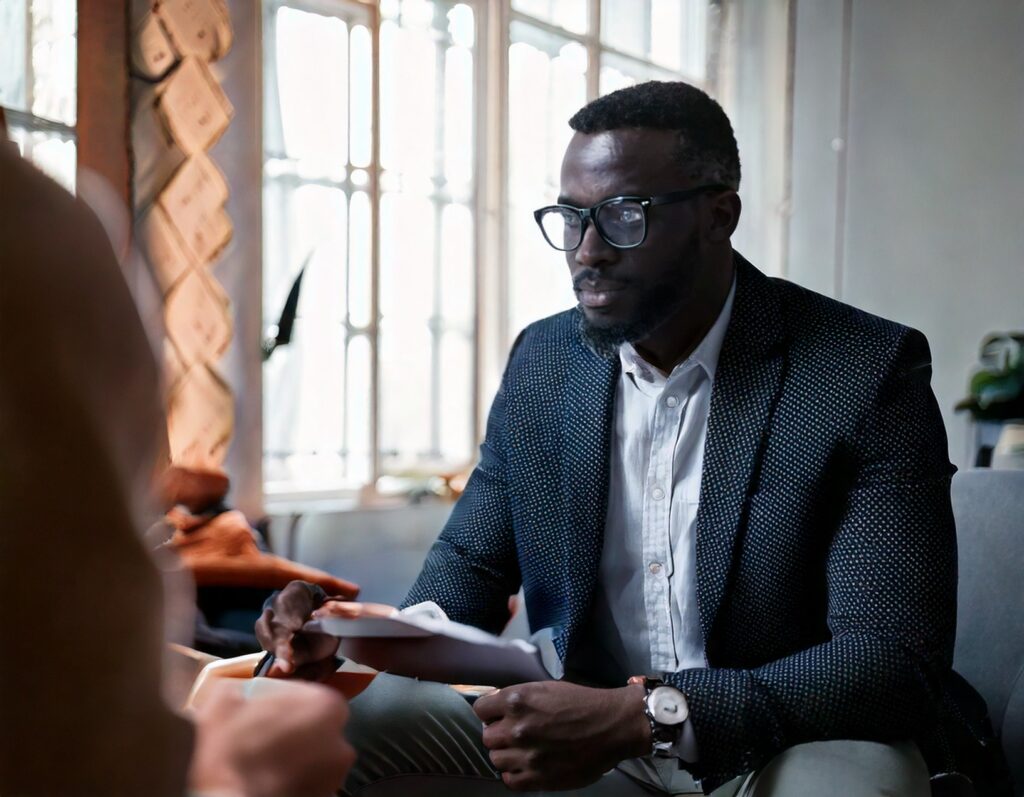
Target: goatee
654 309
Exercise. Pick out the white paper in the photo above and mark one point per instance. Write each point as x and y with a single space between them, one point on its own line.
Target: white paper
434 649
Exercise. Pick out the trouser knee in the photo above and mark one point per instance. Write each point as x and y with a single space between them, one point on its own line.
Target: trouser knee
400 726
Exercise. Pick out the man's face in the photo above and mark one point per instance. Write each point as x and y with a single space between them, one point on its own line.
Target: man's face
627 294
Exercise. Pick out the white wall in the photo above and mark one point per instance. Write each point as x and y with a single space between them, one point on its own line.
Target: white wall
753 75
908 170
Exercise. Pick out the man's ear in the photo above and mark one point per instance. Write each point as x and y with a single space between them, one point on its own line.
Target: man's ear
724 214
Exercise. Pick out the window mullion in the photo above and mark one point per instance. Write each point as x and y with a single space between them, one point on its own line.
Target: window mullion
593 43
374 329
438 201
30 78
491 322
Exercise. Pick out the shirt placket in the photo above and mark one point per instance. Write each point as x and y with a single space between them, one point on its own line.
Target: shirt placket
657 545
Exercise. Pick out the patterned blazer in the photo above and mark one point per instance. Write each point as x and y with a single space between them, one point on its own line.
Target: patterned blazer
826 551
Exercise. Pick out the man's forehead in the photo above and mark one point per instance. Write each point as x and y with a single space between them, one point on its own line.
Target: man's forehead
617 160
622 143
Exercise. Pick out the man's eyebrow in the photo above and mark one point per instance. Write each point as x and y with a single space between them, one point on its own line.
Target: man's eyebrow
564 200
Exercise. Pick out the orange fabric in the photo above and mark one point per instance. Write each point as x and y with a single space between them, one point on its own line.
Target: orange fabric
221 551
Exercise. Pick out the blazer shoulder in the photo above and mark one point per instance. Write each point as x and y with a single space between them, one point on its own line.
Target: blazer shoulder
545 340
836 333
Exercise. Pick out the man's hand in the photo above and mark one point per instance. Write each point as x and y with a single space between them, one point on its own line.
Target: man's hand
279 630
558 735
286 740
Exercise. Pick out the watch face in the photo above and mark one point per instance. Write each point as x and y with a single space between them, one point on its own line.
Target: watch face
667 706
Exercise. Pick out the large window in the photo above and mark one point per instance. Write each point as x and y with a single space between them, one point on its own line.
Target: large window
379 166
379 378
562 53
37 82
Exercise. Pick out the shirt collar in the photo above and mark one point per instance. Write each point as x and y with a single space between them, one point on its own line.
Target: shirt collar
705 355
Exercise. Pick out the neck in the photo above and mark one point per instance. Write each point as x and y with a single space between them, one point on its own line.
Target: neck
675 340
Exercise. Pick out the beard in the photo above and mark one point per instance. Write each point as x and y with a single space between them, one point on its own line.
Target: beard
656 305
653 310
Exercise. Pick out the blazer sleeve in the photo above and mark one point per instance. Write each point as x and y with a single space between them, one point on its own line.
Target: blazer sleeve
472 569
891 581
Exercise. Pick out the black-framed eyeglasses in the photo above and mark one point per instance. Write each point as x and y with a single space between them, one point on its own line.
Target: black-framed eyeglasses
621 221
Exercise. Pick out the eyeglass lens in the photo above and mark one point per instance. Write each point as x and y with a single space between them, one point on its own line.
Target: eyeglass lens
621 224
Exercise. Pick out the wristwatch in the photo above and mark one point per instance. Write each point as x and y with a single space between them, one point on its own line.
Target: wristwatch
666 710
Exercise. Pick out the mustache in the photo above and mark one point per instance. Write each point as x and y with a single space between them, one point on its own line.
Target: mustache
594 276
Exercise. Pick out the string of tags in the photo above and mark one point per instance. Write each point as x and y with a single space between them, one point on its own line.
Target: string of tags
180 112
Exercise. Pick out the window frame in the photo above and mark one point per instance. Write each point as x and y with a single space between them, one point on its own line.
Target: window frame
101 127
491 317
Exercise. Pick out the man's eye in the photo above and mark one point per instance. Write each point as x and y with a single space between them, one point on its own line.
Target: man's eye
628 215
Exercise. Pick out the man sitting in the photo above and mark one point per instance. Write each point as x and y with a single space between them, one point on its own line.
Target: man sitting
728 496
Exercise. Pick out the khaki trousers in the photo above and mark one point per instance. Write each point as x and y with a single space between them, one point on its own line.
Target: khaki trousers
422 739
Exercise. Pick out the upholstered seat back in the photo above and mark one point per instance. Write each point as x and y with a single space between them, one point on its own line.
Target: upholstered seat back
989 509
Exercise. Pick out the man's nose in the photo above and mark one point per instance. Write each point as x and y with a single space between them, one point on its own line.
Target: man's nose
593 250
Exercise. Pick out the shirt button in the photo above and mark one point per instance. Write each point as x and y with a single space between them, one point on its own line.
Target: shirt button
671 401
655 567
657 493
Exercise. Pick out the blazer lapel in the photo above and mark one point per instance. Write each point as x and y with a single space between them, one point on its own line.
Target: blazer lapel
588 403
746 384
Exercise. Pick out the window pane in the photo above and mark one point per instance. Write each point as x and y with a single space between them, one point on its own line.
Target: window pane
406 363
317 115
617 73
547 81
53 153
427 231
54 51
362 86
357 412
426 270
304 382
458 118
671 33
306 224
569 14
407 258
359 296
457 285
303 411
14 35
408 98
456 398
312 84
461 25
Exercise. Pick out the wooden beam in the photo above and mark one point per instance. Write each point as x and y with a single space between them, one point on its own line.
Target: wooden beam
104 93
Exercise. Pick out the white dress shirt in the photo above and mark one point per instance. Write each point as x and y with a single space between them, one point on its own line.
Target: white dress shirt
645 611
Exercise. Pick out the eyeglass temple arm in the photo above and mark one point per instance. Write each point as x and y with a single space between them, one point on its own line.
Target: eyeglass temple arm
679 196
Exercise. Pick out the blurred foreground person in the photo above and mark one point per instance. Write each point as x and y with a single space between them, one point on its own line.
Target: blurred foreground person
80 598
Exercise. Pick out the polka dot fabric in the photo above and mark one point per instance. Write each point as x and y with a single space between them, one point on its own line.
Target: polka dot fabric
826 551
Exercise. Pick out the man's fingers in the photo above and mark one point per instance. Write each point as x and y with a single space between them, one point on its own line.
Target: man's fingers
317 670
520 780
308 648
497 736
506 760
264 632
490 708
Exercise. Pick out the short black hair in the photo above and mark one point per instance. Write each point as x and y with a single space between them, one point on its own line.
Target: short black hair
707 145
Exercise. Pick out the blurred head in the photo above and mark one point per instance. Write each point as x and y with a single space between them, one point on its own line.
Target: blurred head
647 141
